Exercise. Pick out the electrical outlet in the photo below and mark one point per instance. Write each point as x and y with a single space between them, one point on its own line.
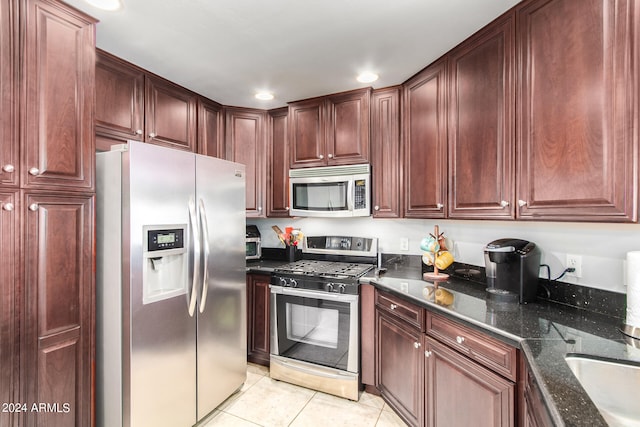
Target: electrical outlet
575 262
404 243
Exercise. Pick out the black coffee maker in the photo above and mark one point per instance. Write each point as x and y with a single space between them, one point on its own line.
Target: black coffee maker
512 267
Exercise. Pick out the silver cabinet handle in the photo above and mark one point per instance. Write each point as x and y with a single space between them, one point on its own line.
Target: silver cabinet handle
152 135
259 208
33 207
330 156
459 339
205 243
416 344
286 208
504 203
376 208
394 306
8 168
8 207
439 205
321 156
522 203
138 132
196 256
34 171
427 353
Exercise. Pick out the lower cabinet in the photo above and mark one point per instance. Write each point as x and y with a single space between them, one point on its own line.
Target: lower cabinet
258 318
431 383
534 411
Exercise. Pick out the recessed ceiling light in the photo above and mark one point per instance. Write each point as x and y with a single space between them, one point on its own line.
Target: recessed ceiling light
367 77
264 96
106 4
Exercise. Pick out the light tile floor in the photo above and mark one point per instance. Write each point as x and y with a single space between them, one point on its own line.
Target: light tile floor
270 403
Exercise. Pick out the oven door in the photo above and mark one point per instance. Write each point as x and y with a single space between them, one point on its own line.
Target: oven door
320 328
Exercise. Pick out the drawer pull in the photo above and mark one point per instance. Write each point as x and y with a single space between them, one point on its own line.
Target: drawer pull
8 168
394 306
459 339
416 344
427 353
8 207
34 171
33 207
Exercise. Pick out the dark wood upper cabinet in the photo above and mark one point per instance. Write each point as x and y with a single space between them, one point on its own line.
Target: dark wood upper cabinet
58 106
119 98
244 142
577 100
210 128
425 142
481 124
9 135
170 114
386 152
331 130
57 328
278 163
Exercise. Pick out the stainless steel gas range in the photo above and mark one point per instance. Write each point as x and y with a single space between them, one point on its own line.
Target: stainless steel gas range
314 314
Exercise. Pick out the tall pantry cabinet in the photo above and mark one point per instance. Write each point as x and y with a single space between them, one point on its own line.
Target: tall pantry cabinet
46 214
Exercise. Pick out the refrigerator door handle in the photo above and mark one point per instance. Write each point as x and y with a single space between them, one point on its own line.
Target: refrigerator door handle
205 244
195 231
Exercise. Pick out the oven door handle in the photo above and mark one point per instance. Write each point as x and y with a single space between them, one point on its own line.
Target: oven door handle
311 294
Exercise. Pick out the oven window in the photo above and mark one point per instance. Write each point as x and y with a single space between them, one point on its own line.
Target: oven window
328 196
315 330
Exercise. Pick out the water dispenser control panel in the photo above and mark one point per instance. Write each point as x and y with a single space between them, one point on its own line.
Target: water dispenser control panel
160 240
166 260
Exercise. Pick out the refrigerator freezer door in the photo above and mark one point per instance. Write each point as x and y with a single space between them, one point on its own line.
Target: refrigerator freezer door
222 342
158 183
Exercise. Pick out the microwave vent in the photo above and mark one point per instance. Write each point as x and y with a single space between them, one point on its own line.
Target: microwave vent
330 171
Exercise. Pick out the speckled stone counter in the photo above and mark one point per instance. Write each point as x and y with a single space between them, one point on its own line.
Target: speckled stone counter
544 331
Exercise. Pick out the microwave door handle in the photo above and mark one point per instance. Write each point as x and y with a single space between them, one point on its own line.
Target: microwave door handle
350 190
205 244
195 232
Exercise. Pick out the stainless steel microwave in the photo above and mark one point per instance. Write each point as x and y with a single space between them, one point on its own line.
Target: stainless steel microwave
330 191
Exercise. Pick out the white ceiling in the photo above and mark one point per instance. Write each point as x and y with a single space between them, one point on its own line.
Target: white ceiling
227 50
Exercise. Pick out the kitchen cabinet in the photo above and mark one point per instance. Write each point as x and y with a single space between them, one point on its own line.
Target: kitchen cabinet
57 329
277 163
134 104
258 333
576 110
245 143
9 131
368 337
46 213
210 128
9 310
481 124
330 130
399 357
534 411
425 142
386 152
58 74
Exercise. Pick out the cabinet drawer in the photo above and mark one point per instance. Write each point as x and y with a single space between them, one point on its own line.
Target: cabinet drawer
401 309
492 353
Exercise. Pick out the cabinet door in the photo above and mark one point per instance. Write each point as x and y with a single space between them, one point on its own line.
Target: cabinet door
481 132
462 393
210 128
425 143
119 98
9 309
307 133
348 127
9 94
58 319
258 335
59 70
385 152
577 109
278 164
400 367
170 115
244 143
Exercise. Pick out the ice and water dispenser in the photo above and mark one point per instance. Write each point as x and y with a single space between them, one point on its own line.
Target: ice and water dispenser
166 261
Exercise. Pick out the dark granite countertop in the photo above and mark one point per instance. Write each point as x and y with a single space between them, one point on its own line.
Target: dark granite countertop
545 332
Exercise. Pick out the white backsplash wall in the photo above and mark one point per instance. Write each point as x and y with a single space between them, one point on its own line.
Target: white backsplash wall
603 247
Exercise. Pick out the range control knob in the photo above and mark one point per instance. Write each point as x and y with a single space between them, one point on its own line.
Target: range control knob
293 283
342 288
328 287
283 281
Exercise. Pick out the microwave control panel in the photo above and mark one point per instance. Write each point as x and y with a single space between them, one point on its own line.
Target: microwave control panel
360 194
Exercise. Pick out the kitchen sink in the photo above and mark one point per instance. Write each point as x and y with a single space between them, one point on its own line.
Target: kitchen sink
612 386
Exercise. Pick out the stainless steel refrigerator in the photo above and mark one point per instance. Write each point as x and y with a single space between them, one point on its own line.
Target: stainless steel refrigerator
171 293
